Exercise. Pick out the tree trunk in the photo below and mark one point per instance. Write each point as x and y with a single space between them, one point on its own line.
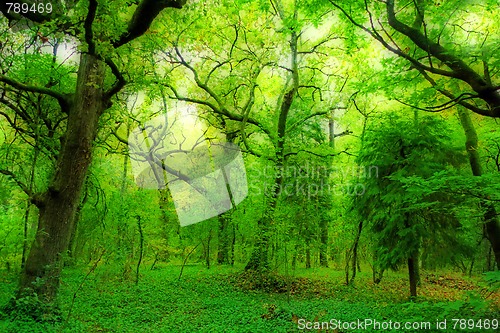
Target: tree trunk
308 256
413 276
233 242
41 275
378 272
323 247
355 262
259 257
223 238
491 223
141 249
207 250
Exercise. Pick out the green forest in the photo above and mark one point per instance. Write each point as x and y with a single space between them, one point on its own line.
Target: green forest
249 166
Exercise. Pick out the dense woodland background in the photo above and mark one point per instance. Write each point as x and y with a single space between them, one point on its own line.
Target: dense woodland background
369 135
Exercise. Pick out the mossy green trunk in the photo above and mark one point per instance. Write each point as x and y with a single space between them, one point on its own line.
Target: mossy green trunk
57 210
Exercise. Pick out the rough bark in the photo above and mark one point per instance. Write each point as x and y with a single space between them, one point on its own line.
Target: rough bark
57 211
259 257
491 223
354 253
58 205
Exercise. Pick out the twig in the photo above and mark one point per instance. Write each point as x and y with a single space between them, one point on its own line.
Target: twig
81 284
185 260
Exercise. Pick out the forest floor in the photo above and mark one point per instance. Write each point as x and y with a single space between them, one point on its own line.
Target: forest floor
223 299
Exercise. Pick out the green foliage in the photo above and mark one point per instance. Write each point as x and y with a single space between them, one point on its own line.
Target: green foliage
493 279
222 300
402 217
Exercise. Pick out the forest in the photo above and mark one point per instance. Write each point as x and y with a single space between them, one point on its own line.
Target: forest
249 166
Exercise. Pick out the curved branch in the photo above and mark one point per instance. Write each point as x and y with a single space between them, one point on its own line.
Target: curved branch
297 123
144 14
459 68
89 34
120 80
63 100
17 181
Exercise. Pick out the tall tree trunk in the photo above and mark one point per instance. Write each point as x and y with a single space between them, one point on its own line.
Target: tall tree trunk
122 223
308 255
412 273
259 258
57 208
491 223
355 262
233 242
323 247
207 250
141 249
223 238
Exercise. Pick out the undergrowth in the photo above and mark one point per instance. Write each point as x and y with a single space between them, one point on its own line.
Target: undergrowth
228 300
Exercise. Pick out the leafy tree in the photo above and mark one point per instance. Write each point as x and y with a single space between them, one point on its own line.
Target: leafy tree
249 91
463 73
402 149
101 30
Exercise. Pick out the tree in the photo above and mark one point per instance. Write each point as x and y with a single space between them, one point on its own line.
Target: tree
244 87
83 106
399 218
429 49
452 70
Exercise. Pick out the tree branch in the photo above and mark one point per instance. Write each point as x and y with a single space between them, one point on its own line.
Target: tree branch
120 80
459 68
144 14
299 122
89 34
63 100
17 181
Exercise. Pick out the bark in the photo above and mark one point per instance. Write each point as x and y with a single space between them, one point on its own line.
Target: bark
412 276
207 249
308 256
491 223
141 249
74 229
355 262
323 247
58 205
323 223
233 242
122 224
223 237
378 272
57 210
259 258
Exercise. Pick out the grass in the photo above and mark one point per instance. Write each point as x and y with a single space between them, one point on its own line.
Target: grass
223 299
